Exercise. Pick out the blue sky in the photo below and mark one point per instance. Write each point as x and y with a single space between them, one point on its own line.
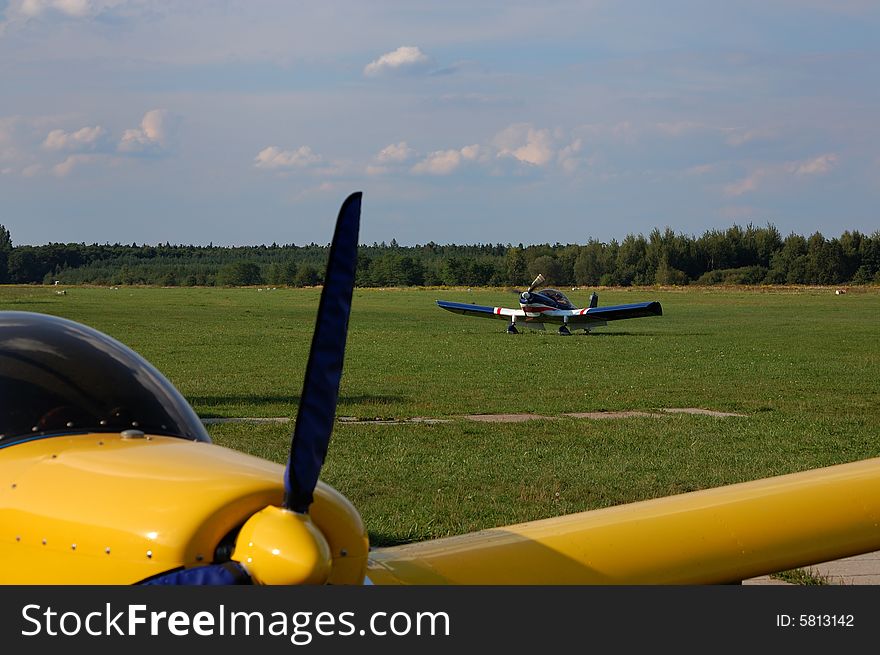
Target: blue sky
248 122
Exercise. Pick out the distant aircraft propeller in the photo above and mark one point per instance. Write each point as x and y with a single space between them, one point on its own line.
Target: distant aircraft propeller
538 280
526 295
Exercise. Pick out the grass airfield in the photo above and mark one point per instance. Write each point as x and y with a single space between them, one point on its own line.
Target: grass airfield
801 364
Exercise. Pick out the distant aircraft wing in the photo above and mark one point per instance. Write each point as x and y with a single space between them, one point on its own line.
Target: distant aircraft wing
617 312
586 318
485 311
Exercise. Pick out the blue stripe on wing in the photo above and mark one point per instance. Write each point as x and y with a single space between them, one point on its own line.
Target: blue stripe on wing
616 312
470 310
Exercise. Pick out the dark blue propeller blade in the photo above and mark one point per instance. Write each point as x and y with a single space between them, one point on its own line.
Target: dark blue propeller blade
317 405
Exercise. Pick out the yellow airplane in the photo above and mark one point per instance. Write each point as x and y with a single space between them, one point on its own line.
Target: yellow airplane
107 476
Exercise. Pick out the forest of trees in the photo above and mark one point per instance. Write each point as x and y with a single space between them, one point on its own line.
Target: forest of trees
738 255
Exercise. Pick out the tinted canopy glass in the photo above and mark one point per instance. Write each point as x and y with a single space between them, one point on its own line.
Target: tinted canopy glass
557 296
58 376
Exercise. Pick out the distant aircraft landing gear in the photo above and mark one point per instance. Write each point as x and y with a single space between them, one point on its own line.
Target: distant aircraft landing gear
564 331
511 329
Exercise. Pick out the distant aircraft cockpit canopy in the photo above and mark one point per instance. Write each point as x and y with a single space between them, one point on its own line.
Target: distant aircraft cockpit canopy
558 297
61 377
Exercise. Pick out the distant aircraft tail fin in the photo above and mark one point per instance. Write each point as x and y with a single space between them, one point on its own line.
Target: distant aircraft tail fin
594 300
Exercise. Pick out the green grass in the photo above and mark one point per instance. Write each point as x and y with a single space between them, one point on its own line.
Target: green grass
802 364
801 577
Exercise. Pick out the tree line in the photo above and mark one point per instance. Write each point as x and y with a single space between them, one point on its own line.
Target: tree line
737 255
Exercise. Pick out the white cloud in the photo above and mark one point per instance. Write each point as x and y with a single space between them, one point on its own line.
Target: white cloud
568 157
404 59
69 8
274 157
86 138
444 162
440 162
816 166
64 168
395 153
35 146
471 153
741 137
748 184
151 136
391 155
520 142
808 167
526 144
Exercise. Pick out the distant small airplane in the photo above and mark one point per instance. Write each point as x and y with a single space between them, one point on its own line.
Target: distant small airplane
551 306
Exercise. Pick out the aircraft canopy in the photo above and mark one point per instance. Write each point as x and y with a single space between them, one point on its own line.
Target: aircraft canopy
559 297
61 377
